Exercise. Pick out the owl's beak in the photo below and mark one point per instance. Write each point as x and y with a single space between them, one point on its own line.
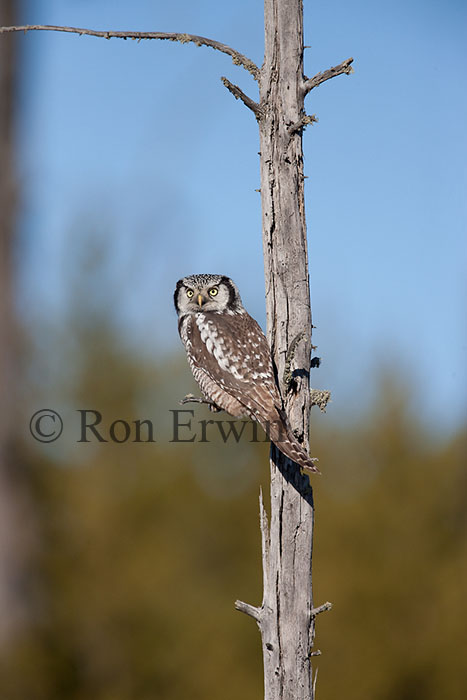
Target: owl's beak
200 300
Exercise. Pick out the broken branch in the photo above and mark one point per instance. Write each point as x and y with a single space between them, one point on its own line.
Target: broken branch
237 58
321 608
320 398
240 95
248 609
302 122
344 67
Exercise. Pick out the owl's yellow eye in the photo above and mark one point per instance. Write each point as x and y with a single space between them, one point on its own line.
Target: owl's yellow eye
189 293
213 291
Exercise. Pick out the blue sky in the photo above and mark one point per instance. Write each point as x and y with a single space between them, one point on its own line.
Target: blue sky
144 139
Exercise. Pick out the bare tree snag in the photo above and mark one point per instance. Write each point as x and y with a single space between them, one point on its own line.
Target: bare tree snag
287 626
286 618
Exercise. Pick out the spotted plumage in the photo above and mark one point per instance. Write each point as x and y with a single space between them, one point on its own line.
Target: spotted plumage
230 358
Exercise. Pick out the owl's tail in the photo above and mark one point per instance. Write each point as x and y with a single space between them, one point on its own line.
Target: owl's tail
281 434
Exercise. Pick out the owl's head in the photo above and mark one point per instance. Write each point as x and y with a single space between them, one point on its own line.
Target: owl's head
207 293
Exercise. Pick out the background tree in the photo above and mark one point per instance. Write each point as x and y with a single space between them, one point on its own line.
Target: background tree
15 507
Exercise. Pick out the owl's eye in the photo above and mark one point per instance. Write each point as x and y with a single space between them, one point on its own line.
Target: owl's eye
213 291
189 293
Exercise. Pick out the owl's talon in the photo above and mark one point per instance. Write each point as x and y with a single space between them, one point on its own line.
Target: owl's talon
191 398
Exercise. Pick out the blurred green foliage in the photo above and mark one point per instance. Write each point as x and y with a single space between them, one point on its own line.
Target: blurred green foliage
142 549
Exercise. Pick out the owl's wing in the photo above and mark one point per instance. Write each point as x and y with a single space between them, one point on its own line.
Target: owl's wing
232 352
230 359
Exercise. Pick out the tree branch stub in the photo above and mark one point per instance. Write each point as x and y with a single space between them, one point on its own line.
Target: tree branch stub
240 95
320 398
302 123
248 609
321 608
343 68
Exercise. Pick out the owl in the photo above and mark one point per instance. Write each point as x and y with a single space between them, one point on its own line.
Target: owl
231 360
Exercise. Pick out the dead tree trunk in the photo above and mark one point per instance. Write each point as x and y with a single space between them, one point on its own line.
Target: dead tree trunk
286 622
286 616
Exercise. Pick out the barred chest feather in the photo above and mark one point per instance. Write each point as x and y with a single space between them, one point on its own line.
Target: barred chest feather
239 348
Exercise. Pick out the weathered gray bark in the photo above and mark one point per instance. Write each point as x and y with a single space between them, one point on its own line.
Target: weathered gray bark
285 618
286 623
